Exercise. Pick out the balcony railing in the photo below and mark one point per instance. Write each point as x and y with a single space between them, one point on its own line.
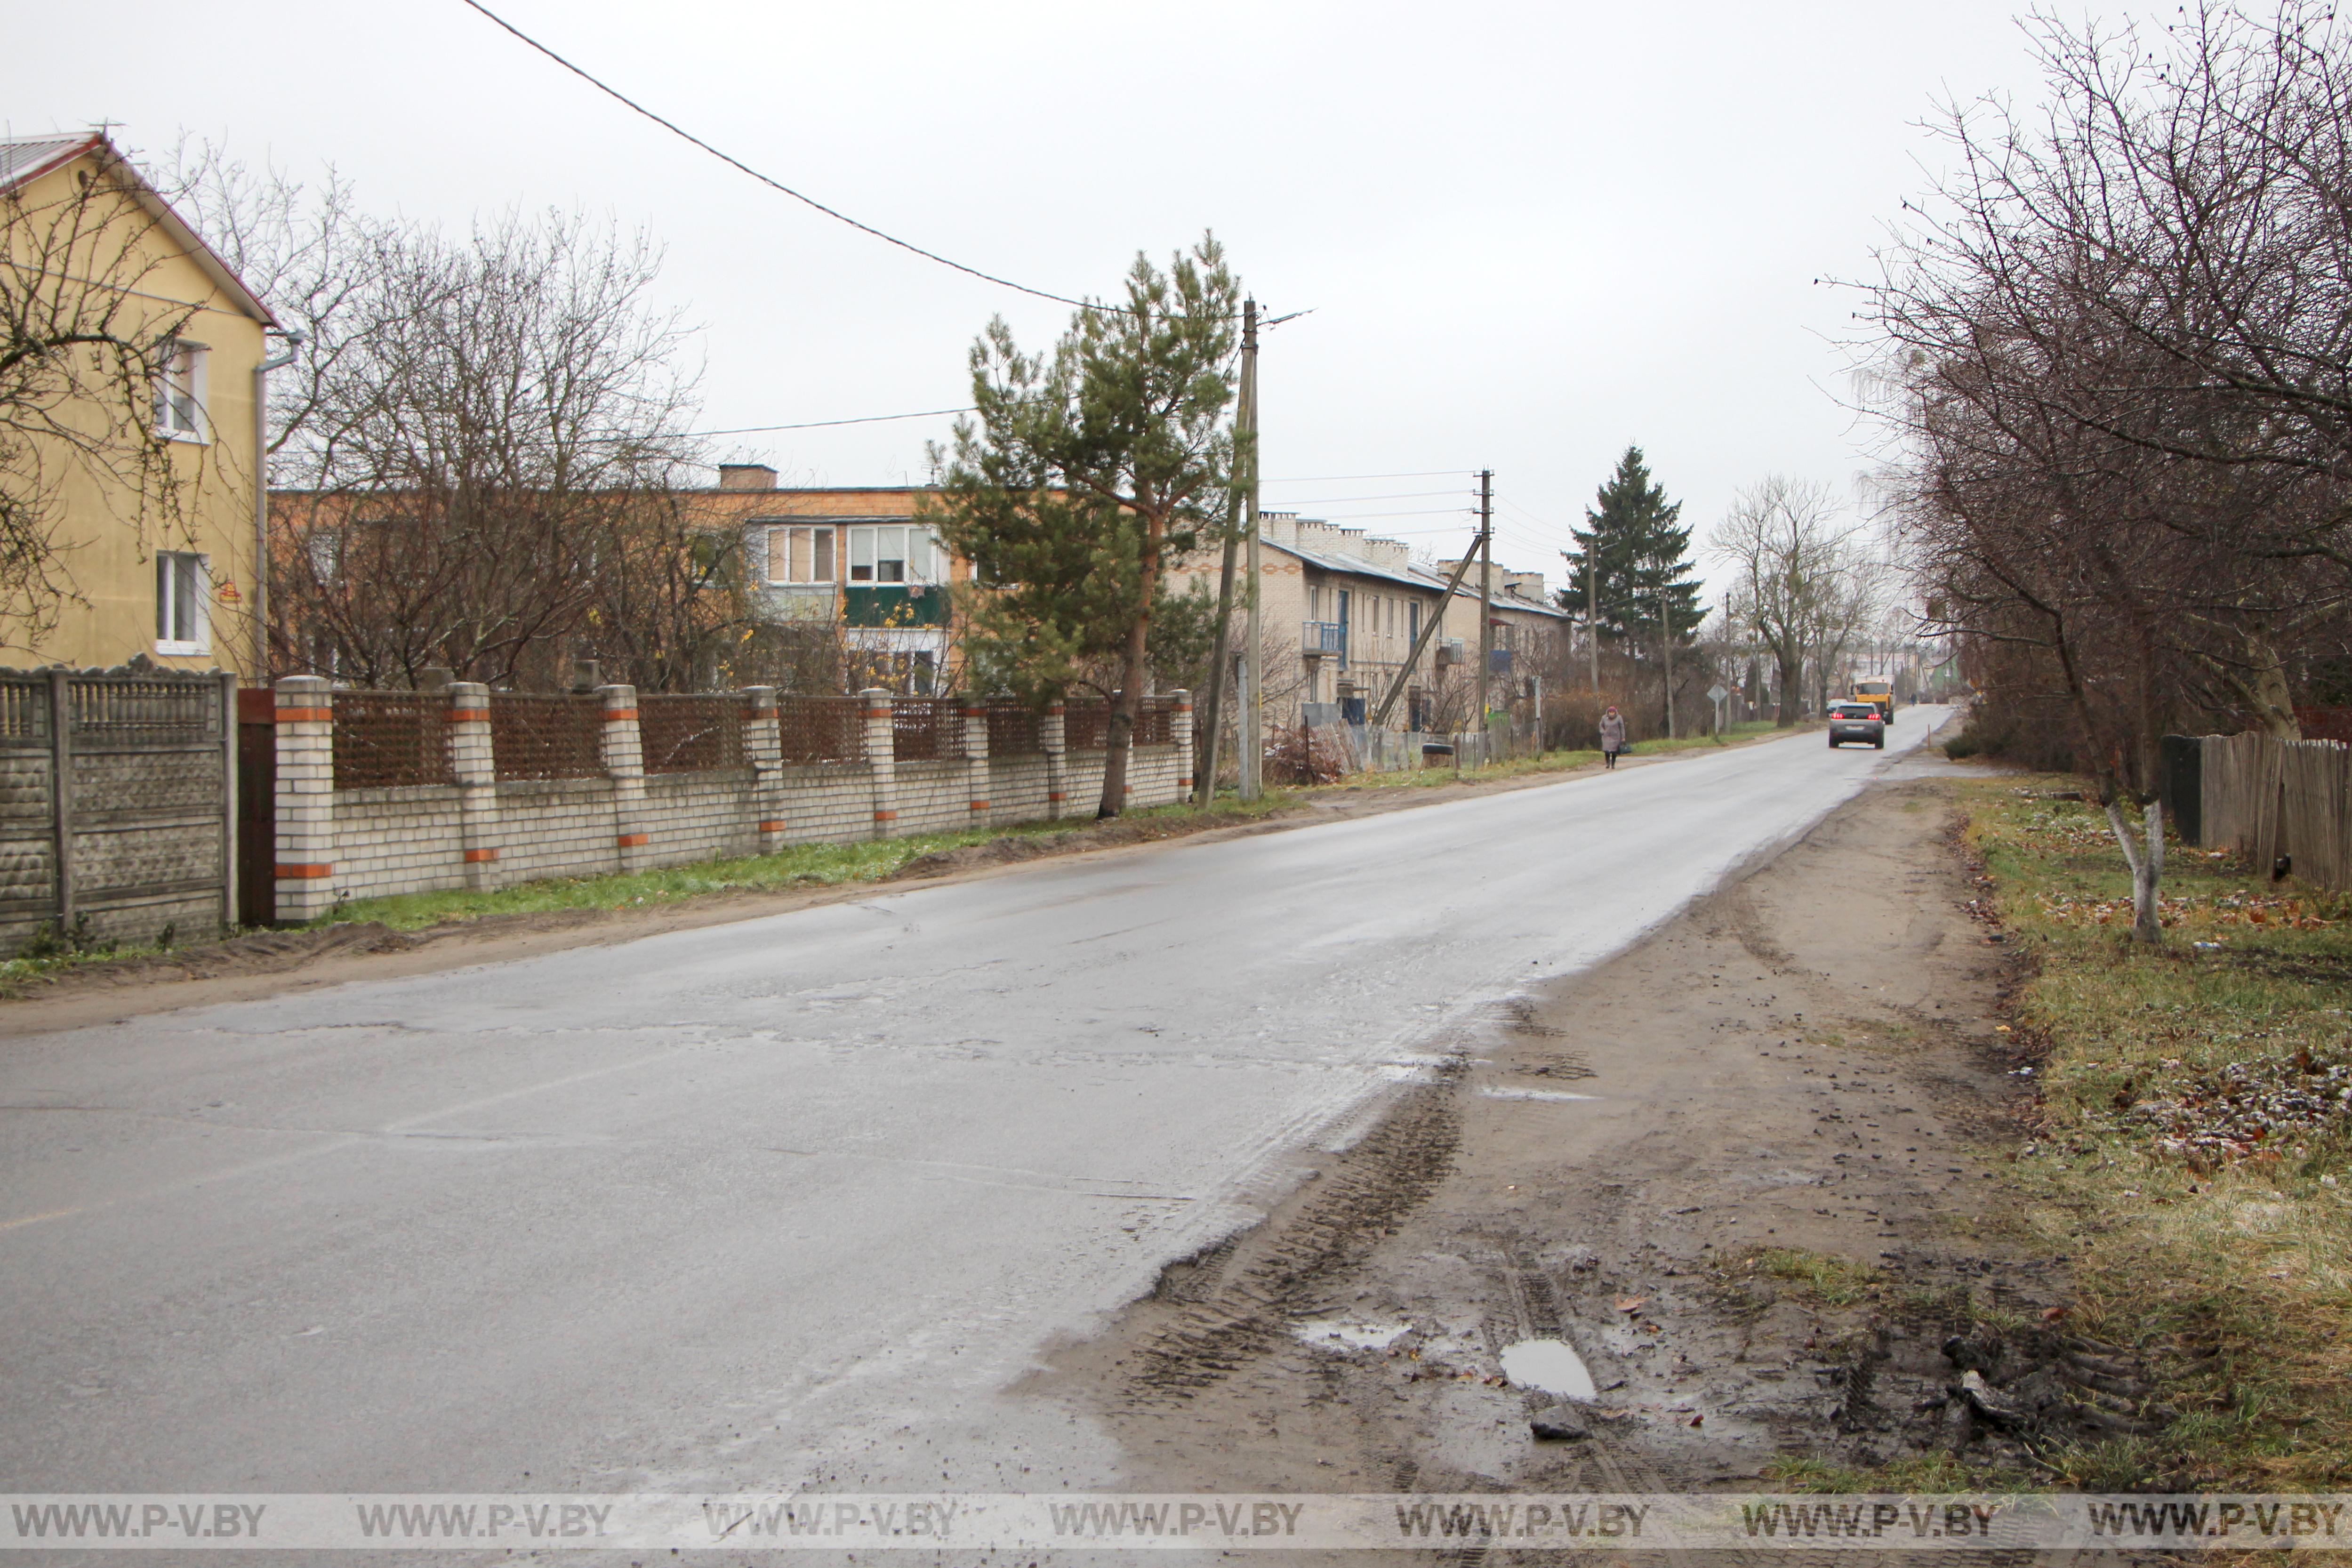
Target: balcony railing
1316 638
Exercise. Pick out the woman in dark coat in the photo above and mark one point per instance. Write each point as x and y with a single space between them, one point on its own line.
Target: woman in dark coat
1612 736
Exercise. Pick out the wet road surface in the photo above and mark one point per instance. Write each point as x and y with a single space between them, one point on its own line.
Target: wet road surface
784 1201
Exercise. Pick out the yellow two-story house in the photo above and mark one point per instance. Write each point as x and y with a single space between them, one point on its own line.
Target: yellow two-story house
143 460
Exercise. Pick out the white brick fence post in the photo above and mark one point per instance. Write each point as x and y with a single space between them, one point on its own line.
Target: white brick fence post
975 757
306 798
474 767
624 755
763 747
881 760
1180 729
1057 762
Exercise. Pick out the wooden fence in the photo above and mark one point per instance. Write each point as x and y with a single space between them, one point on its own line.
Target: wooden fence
2284 804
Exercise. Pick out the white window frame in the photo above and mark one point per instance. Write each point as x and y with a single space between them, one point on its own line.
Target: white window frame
180 409
920 558
172 592
779 569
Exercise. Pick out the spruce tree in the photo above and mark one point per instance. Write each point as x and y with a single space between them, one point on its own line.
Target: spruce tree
1642 558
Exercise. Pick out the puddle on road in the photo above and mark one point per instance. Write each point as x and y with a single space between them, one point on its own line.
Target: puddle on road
1354 1335
1548 1366
1488 1092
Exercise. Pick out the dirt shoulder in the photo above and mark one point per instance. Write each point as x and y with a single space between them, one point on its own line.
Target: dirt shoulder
267 964
1748 1172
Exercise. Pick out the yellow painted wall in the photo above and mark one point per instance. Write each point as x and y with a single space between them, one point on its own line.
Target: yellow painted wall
109 552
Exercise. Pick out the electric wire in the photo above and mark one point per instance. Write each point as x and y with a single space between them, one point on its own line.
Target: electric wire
675 129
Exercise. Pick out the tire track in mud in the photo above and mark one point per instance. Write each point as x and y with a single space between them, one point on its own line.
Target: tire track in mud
1239 1296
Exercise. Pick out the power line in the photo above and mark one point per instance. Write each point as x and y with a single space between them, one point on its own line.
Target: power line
822 424
1335 479
1345 500
678 131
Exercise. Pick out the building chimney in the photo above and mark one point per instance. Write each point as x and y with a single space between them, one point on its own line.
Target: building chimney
746 477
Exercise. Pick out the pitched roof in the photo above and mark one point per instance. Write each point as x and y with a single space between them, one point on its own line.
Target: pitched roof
24 159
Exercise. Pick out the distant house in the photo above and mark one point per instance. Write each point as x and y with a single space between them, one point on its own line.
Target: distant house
853 562
1342 611
160 556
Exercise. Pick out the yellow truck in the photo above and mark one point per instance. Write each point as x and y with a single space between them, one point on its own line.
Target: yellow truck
1881 693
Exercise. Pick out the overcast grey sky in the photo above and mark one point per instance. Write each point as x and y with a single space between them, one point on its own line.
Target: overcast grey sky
1529 234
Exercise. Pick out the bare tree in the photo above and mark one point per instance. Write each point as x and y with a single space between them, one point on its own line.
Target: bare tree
1800 584
83 346
490 457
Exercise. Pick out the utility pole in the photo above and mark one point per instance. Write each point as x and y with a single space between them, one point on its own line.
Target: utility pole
1253 714
1667 628
1204 788
1592 605
1486 601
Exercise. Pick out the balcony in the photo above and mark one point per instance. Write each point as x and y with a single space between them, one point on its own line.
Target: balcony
1318 639
894 604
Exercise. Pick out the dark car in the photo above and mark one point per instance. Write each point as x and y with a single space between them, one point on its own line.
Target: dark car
1857 721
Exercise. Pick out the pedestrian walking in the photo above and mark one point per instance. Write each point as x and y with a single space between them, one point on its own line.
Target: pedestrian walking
1612 736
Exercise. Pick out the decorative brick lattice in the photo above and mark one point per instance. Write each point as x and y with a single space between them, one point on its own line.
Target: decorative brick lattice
1156 725
918 727
1013 731
822 728
683 734
1085 726
385 738
536 737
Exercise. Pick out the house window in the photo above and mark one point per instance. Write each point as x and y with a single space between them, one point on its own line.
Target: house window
1412 623
892 554
800 555
180 392
181 624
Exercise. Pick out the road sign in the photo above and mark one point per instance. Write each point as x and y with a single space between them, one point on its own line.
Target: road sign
1718 692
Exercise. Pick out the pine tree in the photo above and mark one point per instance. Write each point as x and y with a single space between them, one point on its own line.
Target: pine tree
1642 559
1089 473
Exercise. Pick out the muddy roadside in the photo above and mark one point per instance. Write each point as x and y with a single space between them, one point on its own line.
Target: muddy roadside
1744 1174
265 963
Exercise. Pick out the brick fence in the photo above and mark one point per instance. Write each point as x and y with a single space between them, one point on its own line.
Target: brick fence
382 792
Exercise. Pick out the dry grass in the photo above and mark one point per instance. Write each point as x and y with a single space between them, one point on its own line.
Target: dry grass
2212 1234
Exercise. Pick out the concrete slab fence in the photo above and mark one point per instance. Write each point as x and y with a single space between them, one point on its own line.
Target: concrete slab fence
117 819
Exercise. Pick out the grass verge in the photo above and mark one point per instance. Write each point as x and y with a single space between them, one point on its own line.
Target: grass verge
2192 1145
800 865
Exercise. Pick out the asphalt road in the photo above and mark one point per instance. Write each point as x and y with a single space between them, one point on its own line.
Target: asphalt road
785 1202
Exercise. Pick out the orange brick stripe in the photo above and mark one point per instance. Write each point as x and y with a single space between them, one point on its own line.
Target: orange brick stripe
475 857
634 840
613 715
1054 794
289 871
306 715
469 715
759 712
877 712
777 827
979 805
885 817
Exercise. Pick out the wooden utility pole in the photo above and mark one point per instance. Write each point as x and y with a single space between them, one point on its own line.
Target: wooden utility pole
1253 714
1204 788
1430 627
1486 601
1592 607
1667 628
